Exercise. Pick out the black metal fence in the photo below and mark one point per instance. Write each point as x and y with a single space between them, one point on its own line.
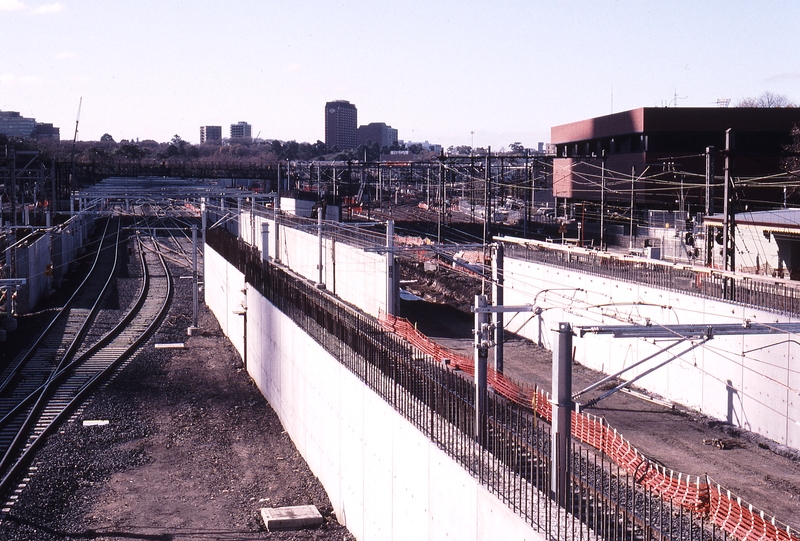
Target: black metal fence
514 460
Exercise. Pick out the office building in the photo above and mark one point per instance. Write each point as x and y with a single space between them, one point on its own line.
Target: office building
210 133
376 132
12 124
241 130
341 119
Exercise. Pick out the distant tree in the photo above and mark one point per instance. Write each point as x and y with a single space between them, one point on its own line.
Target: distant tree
791 160
106 138
179 144
320 148
516 147
131 151
415 148
767 100
291 150
307 151
461 150
374 152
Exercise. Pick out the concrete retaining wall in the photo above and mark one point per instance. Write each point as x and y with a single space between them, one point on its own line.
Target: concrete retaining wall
746 380
60 247
385 479
350 273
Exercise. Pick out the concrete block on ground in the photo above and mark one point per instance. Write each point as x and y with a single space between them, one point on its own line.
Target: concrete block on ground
291 518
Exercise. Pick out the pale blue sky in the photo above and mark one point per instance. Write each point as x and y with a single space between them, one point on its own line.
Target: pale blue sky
436 71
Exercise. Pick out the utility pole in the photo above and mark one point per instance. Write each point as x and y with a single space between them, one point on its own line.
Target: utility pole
728 238
483 341
392 285
195 303
497 300
320 267
709 204
486 198
562 414
633 181
482 344
439 197
13 165
526 213
602 199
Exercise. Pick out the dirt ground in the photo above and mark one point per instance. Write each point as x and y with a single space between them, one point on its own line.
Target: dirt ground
192 451
758 470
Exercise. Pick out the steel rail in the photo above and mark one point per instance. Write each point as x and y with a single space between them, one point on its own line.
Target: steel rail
69 388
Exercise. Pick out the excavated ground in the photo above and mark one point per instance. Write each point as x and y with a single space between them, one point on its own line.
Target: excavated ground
760 471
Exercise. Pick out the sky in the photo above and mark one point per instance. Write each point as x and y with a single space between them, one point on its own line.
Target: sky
449 72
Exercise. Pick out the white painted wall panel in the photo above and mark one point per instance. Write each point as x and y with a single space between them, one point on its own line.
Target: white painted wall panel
747 379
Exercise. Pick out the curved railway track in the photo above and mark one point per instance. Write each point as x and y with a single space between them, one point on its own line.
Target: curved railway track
51 381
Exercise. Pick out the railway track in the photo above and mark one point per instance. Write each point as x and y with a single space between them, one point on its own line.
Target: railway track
57 375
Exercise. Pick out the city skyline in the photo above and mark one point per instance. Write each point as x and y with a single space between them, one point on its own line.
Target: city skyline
450 73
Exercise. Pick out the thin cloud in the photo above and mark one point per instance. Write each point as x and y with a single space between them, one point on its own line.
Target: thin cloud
11 5
11 78
47 9
784 77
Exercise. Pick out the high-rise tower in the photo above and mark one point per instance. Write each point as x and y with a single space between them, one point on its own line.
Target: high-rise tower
341 121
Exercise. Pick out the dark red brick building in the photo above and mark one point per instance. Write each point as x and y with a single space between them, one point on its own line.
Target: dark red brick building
661 153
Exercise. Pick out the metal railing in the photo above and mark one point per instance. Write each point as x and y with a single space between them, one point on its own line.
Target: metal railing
777 296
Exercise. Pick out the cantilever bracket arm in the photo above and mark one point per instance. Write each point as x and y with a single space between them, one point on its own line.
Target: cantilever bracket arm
621 386
631 367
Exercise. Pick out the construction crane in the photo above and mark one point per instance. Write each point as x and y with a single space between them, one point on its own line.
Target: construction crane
74 140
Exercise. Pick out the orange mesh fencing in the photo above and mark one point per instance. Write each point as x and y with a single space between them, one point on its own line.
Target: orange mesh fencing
727 511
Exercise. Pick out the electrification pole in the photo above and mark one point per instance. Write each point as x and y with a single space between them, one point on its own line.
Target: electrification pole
562 414
602 199
728 238
497 300
709 204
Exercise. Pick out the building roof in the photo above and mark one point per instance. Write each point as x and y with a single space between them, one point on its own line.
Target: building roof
699 119
788 219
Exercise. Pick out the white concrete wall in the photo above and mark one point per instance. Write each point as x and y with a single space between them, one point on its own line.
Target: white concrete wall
748 380
385 479
355 276
32 258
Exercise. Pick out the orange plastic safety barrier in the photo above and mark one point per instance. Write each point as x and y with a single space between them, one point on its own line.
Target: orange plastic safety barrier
739 519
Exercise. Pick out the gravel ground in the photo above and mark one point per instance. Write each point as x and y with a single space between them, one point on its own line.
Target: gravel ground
192 451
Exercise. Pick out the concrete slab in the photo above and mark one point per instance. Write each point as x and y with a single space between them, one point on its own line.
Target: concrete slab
291 518
176 345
